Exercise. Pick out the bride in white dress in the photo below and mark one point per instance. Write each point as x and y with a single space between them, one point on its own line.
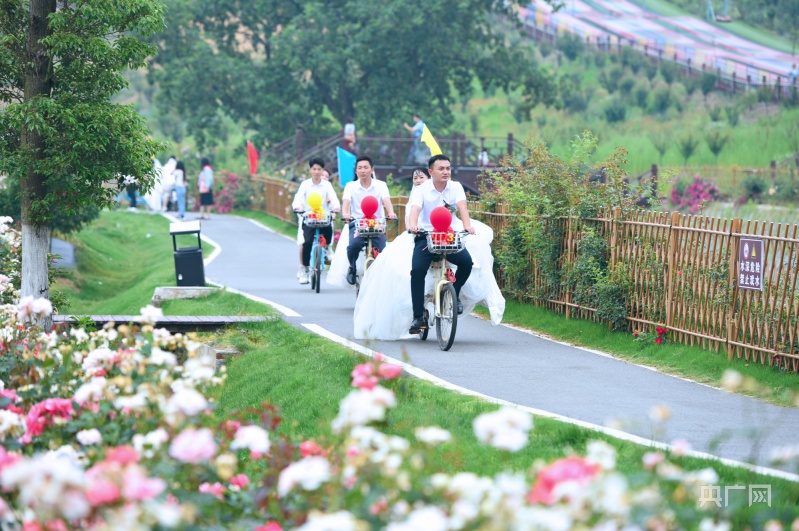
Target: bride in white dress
384 310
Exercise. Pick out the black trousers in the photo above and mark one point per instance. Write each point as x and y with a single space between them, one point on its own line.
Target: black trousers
308 234
357 244
422 258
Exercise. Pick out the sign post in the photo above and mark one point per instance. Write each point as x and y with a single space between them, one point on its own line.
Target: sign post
750 264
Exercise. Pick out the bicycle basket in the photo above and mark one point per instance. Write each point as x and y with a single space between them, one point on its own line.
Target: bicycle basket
444 242
370 227
316 222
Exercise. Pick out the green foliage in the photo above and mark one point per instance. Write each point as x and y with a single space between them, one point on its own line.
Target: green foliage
571 45
707 83
610 78
551 195
716 140
615 110
641 93
661 141
661 98
687 144
670 71
83 142
714 113
733 114
302 64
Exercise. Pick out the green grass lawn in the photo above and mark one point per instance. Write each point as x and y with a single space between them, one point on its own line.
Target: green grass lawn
121 257
306 375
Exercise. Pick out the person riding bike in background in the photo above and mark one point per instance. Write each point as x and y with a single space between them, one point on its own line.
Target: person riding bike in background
362 186
330 204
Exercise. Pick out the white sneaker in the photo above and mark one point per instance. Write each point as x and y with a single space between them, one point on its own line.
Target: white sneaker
305 278
300 272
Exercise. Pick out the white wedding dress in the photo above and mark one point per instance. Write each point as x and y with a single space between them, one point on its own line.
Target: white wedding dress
384 310
339 264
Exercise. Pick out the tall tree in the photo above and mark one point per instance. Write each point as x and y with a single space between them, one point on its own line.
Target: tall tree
60 63
279 65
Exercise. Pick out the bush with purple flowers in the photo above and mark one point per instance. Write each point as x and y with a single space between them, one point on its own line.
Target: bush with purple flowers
692 197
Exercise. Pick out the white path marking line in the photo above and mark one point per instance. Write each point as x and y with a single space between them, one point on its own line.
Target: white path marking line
424 375
288 312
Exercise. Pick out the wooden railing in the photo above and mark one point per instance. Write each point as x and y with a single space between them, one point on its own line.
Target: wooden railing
683 271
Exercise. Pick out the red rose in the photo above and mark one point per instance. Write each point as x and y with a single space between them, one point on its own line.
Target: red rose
660 330
658 340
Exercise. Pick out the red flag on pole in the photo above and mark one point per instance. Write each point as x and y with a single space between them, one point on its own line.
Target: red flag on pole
253 156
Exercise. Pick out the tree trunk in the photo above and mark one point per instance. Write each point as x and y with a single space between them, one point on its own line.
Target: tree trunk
38 84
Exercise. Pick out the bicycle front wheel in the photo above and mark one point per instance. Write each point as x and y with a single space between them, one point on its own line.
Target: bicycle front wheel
317 268
447 323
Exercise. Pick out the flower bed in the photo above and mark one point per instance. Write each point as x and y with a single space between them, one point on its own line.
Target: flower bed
107 430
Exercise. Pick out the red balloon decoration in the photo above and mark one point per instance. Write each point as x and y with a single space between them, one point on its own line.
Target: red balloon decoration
369 206
440 218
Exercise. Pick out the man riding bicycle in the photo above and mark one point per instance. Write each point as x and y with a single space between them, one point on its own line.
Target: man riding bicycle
440 190
364 185
330 205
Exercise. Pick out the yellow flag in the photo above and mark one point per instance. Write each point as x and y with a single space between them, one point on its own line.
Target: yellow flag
427 138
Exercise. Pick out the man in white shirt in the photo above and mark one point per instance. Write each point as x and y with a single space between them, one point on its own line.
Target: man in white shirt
440 190
330 205
354 193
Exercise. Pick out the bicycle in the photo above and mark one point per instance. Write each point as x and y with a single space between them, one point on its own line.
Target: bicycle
367 229
444 298
317 261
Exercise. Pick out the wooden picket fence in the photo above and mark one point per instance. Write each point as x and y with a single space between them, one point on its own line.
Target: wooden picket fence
683 271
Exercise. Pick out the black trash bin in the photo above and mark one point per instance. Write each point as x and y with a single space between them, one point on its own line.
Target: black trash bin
189 267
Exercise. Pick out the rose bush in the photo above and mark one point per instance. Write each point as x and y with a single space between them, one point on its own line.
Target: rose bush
105 430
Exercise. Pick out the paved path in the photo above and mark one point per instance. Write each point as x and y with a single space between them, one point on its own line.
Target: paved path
513 365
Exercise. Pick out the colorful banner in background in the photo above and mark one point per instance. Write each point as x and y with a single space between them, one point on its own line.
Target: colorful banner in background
252 155
427 138
346 166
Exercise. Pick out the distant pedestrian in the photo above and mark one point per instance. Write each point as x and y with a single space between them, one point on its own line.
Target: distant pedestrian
482 158
181 182
415 130
206 185
168 182
792 75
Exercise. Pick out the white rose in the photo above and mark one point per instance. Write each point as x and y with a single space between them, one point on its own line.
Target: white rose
87 437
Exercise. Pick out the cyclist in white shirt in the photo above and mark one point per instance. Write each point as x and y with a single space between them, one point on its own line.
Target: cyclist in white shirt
355 191
330 205
440 190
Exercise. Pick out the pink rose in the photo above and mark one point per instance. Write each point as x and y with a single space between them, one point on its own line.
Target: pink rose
310 448
389 371
124 455
137 486
101 491
567 469
240 480
270 526
193 446
217 489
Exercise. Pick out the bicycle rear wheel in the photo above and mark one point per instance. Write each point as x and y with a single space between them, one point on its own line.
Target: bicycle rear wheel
447 324
425 331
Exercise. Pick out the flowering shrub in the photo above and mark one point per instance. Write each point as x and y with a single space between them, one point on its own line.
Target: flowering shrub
230 191
692 197
106 430
659 337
